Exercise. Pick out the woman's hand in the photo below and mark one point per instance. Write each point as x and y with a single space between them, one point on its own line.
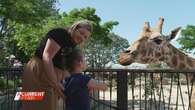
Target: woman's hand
59 90
61 74
61 86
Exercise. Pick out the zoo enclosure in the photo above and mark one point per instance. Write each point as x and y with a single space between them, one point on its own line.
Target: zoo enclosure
128 89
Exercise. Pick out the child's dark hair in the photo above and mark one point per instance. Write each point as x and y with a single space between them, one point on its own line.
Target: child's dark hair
75 56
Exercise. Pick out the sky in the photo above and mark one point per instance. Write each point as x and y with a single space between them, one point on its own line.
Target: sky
131 14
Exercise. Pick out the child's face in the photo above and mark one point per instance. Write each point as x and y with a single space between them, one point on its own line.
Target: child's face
82 64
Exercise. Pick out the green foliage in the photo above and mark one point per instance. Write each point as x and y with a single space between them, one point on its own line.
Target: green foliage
19 15
118 43
98 53
187 40
2 58
100 32
26 11
4 84
32 20
27 37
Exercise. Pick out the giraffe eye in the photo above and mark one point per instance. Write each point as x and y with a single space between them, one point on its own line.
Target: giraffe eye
126 51
157 40
134 53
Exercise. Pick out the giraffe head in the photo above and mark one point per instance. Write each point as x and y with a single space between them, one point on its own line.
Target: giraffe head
152 46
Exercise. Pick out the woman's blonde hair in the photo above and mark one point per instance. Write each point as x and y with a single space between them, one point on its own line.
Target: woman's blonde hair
81 24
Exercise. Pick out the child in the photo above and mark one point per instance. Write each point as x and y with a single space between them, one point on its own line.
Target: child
77 86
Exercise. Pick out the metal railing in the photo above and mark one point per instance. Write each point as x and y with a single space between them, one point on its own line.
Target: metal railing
10 83
129 89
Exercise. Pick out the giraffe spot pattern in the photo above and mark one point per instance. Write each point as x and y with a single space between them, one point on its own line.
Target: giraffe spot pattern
181 57
174 60
182 66
189 62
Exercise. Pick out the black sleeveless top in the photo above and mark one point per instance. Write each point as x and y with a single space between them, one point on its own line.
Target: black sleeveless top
63 38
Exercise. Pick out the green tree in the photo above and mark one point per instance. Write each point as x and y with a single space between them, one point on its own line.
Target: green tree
118 44
99 54
21 12
187 40
27 37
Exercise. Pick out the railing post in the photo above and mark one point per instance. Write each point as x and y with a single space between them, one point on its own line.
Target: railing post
122 90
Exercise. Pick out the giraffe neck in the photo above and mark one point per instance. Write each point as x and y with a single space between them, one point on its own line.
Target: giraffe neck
178 60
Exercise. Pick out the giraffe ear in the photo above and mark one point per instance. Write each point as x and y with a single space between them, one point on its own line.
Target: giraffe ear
173 33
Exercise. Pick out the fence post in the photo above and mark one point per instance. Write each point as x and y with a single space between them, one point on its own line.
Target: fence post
122 90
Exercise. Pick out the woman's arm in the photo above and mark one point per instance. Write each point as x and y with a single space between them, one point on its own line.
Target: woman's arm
61 75
94 84
49 52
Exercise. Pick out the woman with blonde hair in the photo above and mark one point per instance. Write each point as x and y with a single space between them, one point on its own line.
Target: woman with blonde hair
46 68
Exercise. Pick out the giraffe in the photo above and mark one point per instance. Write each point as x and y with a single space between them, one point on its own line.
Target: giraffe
152 46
